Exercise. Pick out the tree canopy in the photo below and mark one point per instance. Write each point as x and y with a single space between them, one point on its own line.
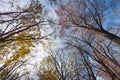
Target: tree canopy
82 41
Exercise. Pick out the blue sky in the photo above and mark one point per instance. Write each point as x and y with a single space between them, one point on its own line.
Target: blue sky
111 18
110 15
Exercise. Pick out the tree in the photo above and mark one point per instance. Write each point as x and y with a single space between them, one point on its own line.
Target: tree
98 55
59 65
11 72
87 14
19 30
47 69
85 18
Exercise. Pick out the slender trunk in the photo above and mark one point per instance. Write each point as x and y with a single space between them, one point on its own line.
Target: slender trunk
111 36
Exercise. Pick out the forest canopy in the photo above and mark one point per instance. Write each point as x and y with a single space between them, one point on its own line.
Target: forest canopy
79 39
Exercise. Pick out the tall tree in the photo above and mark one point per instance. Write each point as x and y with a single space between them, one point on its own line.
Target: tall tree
99 56
19 29
18 21
61 65
88 14
86 19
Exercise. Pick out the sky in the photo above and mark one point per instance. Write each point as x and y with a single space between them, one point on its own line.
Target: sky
38 51
109 20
